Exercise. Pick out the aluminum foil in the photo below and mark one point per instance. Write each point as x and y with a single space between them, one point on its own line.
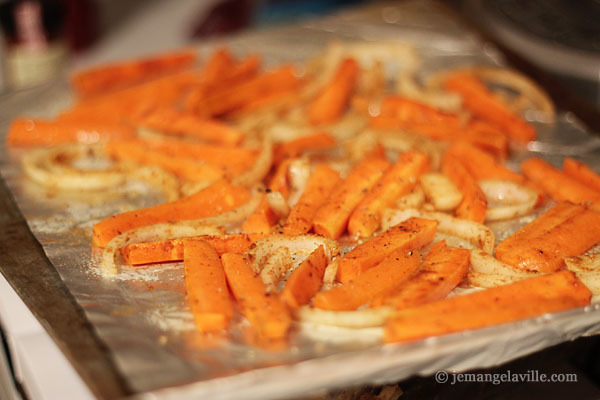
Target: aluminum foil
141 314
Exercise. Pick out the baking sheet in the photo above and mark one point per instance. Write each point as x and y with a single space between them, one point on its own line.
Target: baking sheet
141 314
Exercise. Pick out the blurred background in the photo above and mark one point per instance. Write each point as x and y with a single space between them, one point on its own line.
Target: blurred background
41 37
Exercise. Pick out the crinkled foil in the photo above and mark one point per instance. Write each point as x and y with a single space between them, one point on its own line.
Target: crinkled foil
141 314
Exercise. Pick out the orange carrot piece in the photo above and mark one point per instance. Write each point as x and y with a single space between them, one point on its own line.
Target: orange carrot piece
217 198
482 165
333 99
486 137
279 182
236 96
306 280
542 224
411 234
398 180
331 218
546 252
206 286
560 186
513 302
582 173
183 167
172 250
233 159
295 148
267 313
220 63
431 131
483 104
26 132
442 270
286 97
411 112
117 76
261 220
319 187
474 204
380 279
171 121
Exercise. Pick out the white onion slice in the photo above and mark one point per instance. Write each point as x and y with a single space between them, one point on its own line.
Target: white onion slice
261 166
366 318
507 199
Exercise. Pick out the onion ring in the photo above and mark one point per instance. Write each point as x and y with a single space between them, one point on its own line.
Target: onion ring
519 199
261 166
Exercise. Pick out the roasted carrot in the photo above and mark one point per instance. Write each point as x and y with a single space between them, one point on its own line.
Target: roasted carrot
474 204
276 99
333 99
171 121
486 137
412 112
305 280
582 173
482 165
117 76
232 98
295 148
279 182
172 249
539 226
442 270
559 185
266 312
321 183
232 159
513 302
483 104
261 220
331 218
206 287
431 131
219 197
411 234
397 181
376 281
26 132
546 251
187 168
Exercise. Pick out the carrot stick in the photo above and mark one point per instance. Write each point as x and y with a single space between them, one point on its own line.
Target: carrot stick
117 76
261 220
397 181
26 132
233 159
411 234
486 137
331 218
483 104
305 280
333 99
546 252
171 121
380 279
560 186
220 63
482 165
206 287
474 204
294 148
183 167
318 189
411 112
432 131
443 269
581 172
513 302
267 313
217 198
236 96
172 250
276 99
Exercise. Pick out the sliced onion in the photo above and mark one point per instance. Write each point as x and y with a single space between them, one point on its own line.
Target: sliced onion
214 225
414 199
298 173
261 166
407 86
160 178
478 279
507 199
484 263
584 263
330 274
299 246
440 190
278 204
274 269
367 318
478 234
53 168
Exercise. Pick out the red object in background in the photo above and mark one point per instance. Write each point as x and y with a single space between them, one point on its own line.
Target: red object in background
81 26
226 17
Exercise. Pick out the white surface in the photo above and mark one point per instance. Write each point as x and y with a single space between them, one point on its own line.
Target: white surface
40 366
